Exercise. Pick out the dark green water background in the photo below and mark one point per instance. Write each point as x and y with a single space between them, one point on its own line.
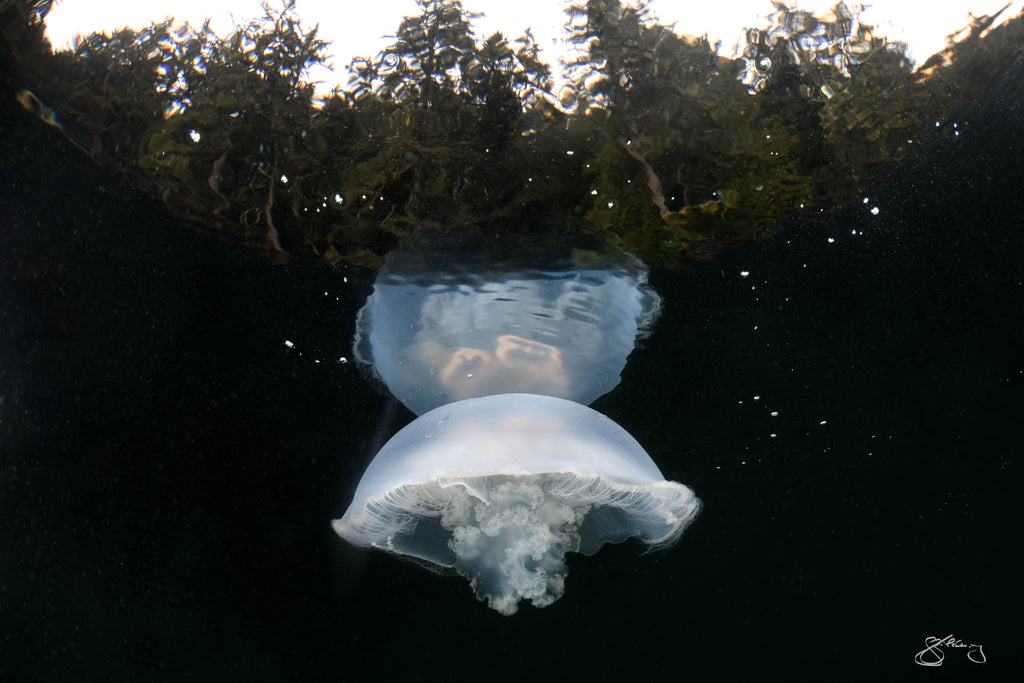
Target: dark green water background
169 466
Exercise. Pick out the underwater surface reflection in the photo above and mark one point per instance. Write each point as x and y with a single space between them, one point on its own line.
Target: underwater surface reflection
180 419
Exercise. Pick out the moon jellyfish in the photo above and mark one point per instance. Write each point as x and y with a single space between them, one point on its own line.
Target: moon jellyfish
463 331
500 488
506 470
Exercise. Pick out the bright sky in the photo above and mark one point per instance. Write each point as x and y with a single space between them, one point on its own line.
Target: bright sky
355 27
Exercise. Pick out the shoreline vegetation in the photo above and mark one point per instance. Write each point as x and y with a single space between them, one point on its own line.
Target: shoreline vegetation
657 145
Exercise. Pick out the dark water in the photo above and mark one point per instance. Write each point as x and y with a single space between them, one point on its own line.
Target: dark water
169 466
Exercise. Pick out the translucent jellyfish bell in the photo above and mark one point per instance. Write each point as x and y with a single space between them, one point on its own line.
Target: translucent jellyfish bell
500 488
459 330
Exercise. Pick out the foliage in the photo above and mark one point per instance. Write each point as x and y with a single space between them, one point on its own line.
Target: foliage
656 142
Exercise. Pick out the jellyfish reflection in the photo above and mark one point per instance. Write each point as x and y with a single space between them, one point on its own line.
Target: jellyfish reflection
463 332
506 469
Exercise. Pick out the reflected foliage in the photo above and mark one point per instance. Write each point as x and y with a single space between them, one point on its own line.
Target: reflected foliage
656 142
